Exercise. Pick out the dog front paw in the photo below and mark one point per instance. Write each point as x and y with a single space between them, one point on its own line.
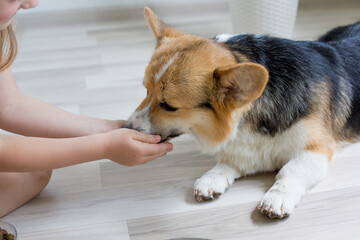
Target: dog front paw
210 186
278 204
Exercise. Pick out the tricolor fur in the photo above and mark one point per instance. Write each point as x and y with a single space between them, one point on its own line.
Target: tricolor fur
257 103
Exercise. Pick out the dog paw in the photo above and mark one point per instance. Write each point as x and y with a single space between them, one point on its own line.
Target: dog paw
210 186
278 204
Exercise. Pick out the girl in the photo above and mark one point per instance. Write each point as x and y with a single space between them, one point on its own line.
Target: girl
52 137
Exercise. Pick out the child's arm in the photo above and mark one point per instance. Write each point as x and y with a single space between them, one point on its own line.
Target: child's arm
124 146
32 117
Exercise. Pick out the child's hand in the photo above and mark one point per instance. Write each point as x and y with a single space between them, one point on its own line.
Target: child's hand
130 147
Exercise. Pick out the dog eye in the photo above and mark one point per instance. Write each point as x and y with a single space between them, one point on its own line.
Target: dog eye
206 105
167 107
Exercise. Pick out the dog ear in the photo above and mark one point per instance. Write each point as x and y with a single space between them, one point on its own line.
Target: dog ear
240 84
158 27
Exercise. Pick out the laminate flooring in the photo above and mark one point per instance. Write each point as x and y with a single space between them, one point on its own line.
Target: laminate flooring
92 63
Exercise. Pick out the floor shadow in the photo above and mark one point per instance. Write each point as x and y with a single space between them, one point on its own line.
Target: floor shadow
261 220
189 196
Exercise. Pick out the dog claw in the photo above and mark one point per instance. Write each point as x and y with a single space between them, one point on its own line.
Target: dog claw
202 198
269 211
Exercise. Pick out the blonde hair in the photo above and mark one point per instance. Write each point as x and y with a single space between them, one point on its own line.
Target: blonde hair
8 47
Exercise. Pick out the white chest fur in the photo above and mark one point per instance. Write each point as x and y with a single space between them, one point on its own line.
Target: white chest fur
252 152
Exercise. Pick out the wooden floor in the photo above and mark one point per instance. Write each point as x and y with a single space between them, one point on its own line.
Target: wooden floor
92 63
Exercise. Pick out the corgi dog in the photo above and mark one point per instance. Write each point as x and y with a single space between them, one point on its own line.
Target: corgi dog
256 103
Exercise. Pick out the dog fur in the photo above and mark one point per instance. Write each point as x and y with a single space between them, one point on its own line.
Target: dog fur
257 103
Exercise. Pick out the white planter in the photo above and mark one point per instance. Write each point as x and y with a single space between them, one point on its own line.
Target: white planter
274 17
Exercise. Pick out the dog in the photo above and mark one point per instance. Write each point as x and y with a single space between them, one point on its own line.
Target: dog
256 103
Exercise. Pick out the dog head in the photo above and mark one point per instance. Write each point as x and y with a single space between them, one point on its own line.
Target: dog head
194 85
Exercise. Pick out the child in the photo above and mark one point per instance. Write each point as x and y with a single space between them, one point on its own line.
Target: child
53 138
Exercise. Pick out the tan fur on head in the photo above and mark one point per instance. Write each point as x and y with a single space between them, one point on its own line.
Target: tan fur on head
195 85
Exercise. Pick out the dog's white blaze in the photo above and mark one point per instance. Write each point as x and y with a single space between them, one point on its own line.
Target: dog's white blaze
164 68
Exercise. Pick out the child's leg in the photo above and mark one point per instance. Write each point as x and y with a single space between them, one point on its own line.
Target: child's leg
18 188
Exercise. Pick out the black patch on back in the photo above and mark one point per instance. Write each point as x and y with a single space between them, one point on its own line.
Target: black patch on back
296 69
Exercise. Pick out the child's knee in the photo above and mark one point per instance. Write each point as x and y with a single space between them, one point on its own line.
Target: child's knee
42 178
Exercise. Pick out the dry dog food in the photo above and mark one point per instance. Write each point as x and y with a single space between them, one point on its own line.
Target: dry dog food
4 235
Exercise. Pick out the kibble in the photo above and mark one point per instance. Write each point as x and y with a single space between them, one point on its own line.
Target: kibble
4 235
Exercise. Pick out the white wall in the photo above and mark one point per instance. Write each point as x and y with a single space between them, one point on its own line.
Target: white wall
50 5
